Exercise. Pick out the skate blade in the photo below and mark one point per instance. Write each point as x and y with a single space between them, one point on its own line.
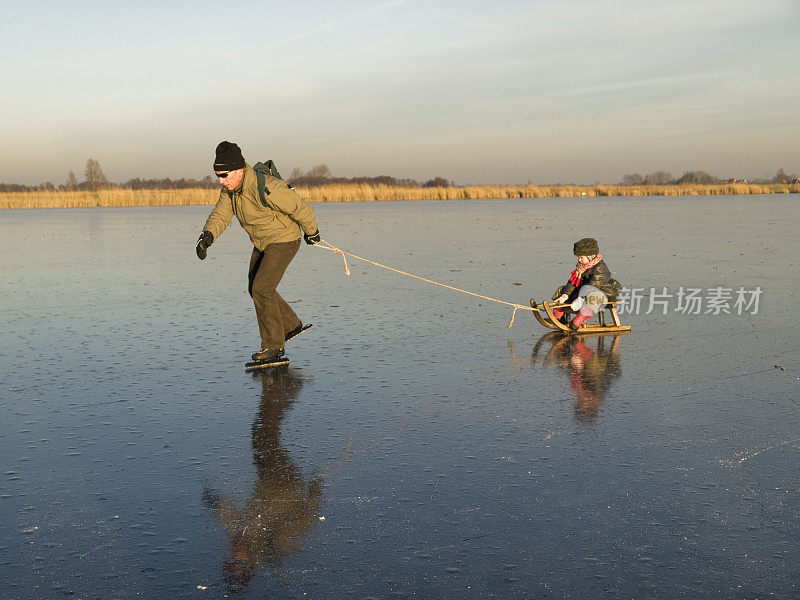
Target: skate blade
266 364
299 332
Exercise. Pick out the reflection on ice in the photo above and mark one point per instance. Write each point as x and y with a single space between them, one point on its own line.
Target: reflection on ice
282 507
591 362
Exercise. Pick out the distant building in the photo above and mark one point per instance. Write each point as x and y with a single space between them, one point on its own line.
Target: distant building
734 180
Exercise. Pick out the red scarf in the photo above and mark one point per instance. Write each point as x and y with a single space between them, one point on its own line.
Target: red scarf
575 278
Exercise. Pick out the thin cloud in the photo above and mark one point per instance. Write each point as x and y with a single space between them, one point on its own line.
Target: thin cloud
358 16
364 14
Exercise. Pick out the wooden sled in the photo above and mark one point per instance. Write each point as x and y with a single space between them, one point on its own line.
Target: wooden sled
601 326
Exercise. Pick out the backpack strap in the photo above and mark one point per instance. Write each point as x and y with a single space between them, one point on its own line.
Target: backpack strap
262 170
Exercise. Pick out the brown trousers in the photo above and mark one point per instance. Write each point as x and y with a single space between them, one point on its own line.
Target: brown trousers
275 317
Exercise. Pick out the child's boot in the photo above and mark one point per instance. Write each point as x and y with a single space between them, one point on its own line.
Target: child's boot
584 314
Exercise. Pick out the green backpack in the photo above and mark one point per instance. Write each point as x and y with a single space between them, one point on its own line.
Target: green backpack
262 170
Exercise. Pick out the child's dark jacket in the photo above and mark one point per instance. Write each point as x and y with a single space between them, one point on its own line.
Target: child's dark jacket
600 277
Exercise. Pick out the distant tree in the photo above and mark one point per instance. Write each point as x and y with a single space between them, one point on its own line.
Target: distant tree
632 179
209 181
72 181
698 177
306 180
436 182
782 177
296 173
95 178
658 178
184 183
319 171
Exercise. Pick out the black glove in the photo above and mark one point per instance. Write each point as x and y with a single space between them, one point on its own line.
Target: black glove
206 239
312 239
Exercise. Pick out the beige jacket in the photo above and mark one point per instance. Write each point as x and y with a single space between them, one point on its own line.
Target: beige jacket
281 221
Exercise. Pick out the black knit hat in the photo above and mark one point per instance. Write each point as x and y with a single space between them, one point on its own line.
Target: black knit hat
229 157
586 247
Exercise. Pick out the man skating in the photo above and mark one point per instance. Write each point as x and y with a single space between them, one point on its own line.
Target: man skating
274 218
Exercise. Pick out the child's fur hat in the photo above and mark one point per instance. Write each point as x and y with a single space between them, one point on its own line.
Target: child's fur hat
586 247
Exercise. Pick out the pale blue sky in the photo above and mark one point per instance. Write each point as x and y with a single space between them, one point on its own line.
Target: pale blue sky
477 92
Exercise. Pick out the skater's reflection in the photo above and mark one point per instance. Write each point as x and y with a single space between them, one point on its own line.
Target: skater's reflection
282 507
592 363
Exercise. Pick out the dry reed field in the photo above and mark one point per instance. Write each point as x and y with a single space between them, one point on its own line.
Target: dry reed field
377 193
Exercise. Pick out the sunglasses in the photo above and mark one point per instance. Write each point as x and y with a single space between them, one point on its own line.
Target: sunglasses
222 175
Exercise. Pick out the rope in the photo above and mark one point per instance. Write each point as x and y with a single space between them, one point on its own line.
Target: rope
330 247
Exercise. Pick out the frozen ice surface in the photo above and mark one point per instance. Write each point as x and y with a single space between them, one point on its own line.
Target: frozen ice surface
416 446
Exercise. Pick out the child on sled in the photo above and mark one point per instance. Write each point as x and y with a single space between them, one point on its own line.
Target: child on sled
590 285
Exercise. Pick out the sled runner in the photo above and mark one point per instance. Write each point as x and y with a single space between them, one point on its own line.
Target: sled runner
601 326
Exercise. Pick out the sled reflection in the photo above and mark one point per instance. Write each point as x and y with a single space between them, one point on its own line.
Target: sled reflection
592 363
282 507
